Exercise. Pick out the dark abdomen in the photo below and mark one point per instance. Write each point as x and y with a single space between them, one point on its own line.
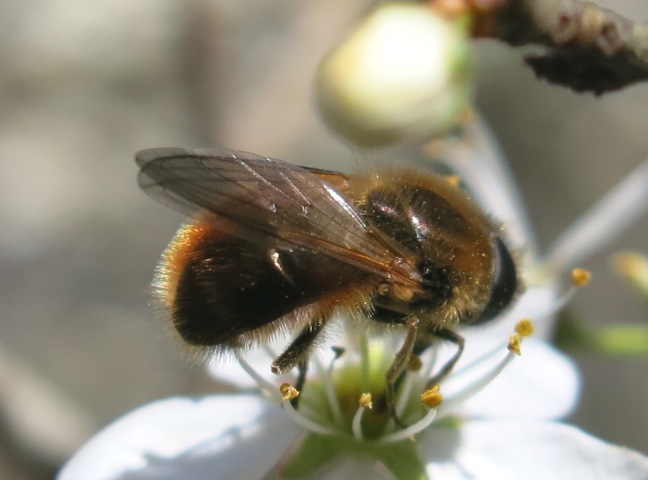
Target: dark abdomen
224 288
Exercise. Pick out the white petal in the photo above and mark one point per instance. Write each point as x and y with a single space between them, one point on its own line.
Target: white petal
226 437
541 384
529 450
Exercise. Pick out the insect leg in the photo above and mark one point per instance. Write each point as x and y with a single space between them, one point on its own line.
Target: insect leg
458 340
296 353
398 367
302 369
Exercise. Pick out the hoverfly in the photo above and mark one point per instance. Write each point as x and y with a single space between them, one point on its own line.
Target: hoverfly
274 247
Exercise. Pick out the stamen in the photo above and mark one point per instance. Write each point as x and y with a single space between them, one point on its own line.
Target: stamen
402 399
475 387
431 398
524 328
337 353
514 344
363 342
617 210
431 362
356 425
288 392
634 267
580 277
329 388
268 350
263 384
307 423
405 391
405 433
366 401
477 362
560 302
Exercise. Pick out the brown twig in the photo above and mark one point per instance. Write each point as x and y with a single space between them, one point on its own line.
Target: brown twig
590 49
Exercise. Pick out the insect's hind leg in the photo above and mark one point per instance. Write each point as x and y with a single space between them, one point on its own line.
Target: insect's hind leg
302 369
296 354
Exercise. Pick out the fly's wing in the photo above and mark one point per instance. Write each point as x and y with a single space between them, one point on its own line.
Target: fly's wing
268 197
339 181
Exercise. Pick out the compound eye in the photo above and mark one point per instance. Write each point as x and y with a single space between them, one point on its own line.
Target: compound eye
505 284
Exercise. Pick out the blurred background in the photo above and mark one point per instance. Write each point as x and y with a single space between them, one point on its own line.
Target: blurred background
83 85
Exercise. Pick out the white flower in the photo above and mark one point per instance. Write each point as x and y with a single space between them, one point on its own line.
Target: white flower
500 432
241 437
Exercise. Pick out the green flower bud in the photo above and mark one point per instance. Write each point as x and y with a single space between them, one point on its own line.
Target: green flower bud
402 75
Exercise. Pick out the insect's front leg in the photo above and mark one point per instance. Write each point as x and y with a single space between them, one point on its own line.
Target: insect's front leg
398 366
458 340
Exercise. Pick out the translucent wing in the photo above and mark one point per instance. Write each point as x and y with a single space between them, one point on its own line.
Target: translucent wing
269 197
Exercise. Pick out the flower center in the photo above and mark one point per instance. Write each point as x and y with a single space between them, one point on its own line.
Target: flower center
346 398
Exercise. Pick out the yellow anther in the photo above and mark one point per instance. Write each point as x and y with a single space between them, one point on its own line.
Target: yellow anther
524 327
365 401
580 277
414 363
288 392
630 264
515 341
634 267
432 398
